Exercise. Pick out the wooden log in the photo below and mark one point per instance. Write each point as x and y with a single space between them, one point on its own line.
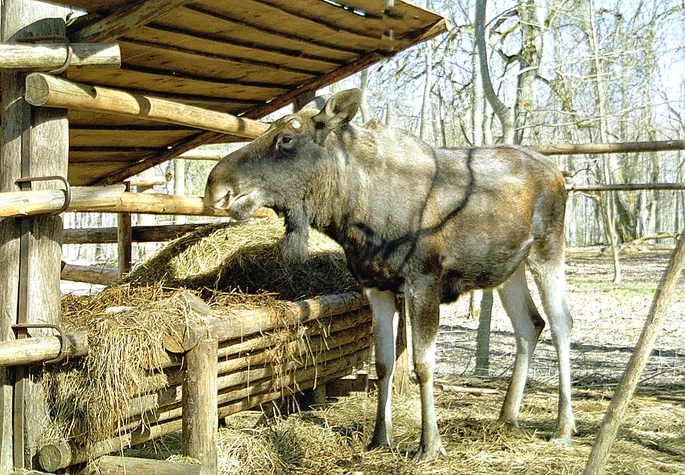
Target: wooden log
44 57
59 455
626 187
638 360
107 199
600 148
123 20
156 233
257 378
34 144
200 418
145 182
246 322
335 324
89 274
43 348
199 154
287 384
119 465
45 90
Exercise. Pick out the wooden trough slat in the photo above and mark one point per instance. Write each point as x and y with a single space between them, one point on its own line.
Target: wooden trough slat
254 368
118 465
53 91
89 274
106 199
246 322
44 57
139 233
39 349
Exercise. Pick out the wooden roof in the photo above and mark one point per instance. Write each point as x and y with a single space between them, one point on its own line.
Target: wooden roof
247 57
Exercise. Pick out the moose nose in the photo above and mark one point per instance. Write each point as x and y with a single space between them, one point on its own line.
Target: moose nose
217 196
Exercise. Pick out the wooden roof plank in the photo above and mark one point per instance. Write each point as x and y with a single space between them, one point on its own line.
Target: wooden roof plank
168 85
123 20
215 43
194 55
238 13
159 137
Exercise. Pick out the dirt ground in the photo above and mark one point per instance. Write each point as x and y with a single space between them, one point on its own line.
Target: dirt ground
607 321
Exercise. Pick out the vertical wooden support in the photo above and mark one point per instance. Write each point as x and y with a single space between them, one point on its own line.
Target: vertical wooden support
401 377
483 335
200 408
638 360
124 241
45 146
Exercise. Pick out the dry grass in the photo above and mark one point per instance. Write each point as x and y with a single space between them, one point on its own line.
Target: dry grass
332 439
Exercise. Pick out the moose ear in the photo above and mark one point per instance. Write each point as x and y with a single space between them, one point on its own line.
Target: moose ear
339 109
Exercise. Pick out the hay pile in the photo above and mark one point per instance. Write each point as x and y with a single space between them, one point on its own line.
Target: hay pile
89 398
245 257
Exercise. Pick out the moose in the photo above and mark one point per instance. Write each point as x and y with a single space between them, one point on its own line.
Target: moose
432 223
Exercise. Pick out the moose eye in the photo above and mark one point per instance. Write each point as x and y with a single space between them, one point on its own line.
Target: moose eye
286 142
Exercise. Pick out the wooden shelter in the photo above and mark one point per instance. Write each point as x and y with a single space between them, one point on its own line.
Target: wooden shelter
102 90
245 58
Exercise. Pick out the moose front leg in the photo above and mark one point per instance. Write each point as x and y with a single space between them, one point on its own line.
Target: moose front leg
423 307
385 320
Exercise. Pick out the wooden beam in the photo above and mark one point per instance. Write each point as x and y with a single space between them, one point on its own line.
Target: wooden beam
123 20
89 274
44 57
106 199
43 348
626 187
124 241
638 360
51 91
152 233
120 465
600 148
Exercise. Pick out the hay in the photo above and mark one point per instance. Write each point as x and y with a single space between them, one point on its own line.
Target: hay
332 439
245 257
89 397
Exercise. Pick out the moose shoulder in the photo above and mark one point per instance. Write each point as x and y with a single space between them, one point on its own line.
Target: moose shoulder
432 223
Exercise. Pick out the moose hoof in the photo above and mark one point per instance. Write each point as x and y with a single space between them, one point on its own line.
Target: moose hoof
428 453
379 443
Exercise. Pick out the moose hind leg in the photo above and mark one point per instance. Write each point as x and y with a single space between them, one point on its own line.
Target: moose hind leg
423 307
548 270
385 320
528 325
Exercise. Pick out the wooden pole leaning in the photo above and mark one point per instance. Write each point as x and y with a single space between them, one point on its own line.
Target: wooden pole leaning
638 360
45 57
124 241
51 91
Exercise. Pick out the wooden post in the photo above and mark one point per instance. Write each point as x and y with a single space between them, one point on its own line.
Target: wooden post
638 360
483 335
45 146
124 241
200 407
401 378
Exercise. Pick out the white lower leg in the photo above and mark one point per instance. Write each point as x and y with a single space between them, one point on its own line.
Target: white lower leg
385 321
